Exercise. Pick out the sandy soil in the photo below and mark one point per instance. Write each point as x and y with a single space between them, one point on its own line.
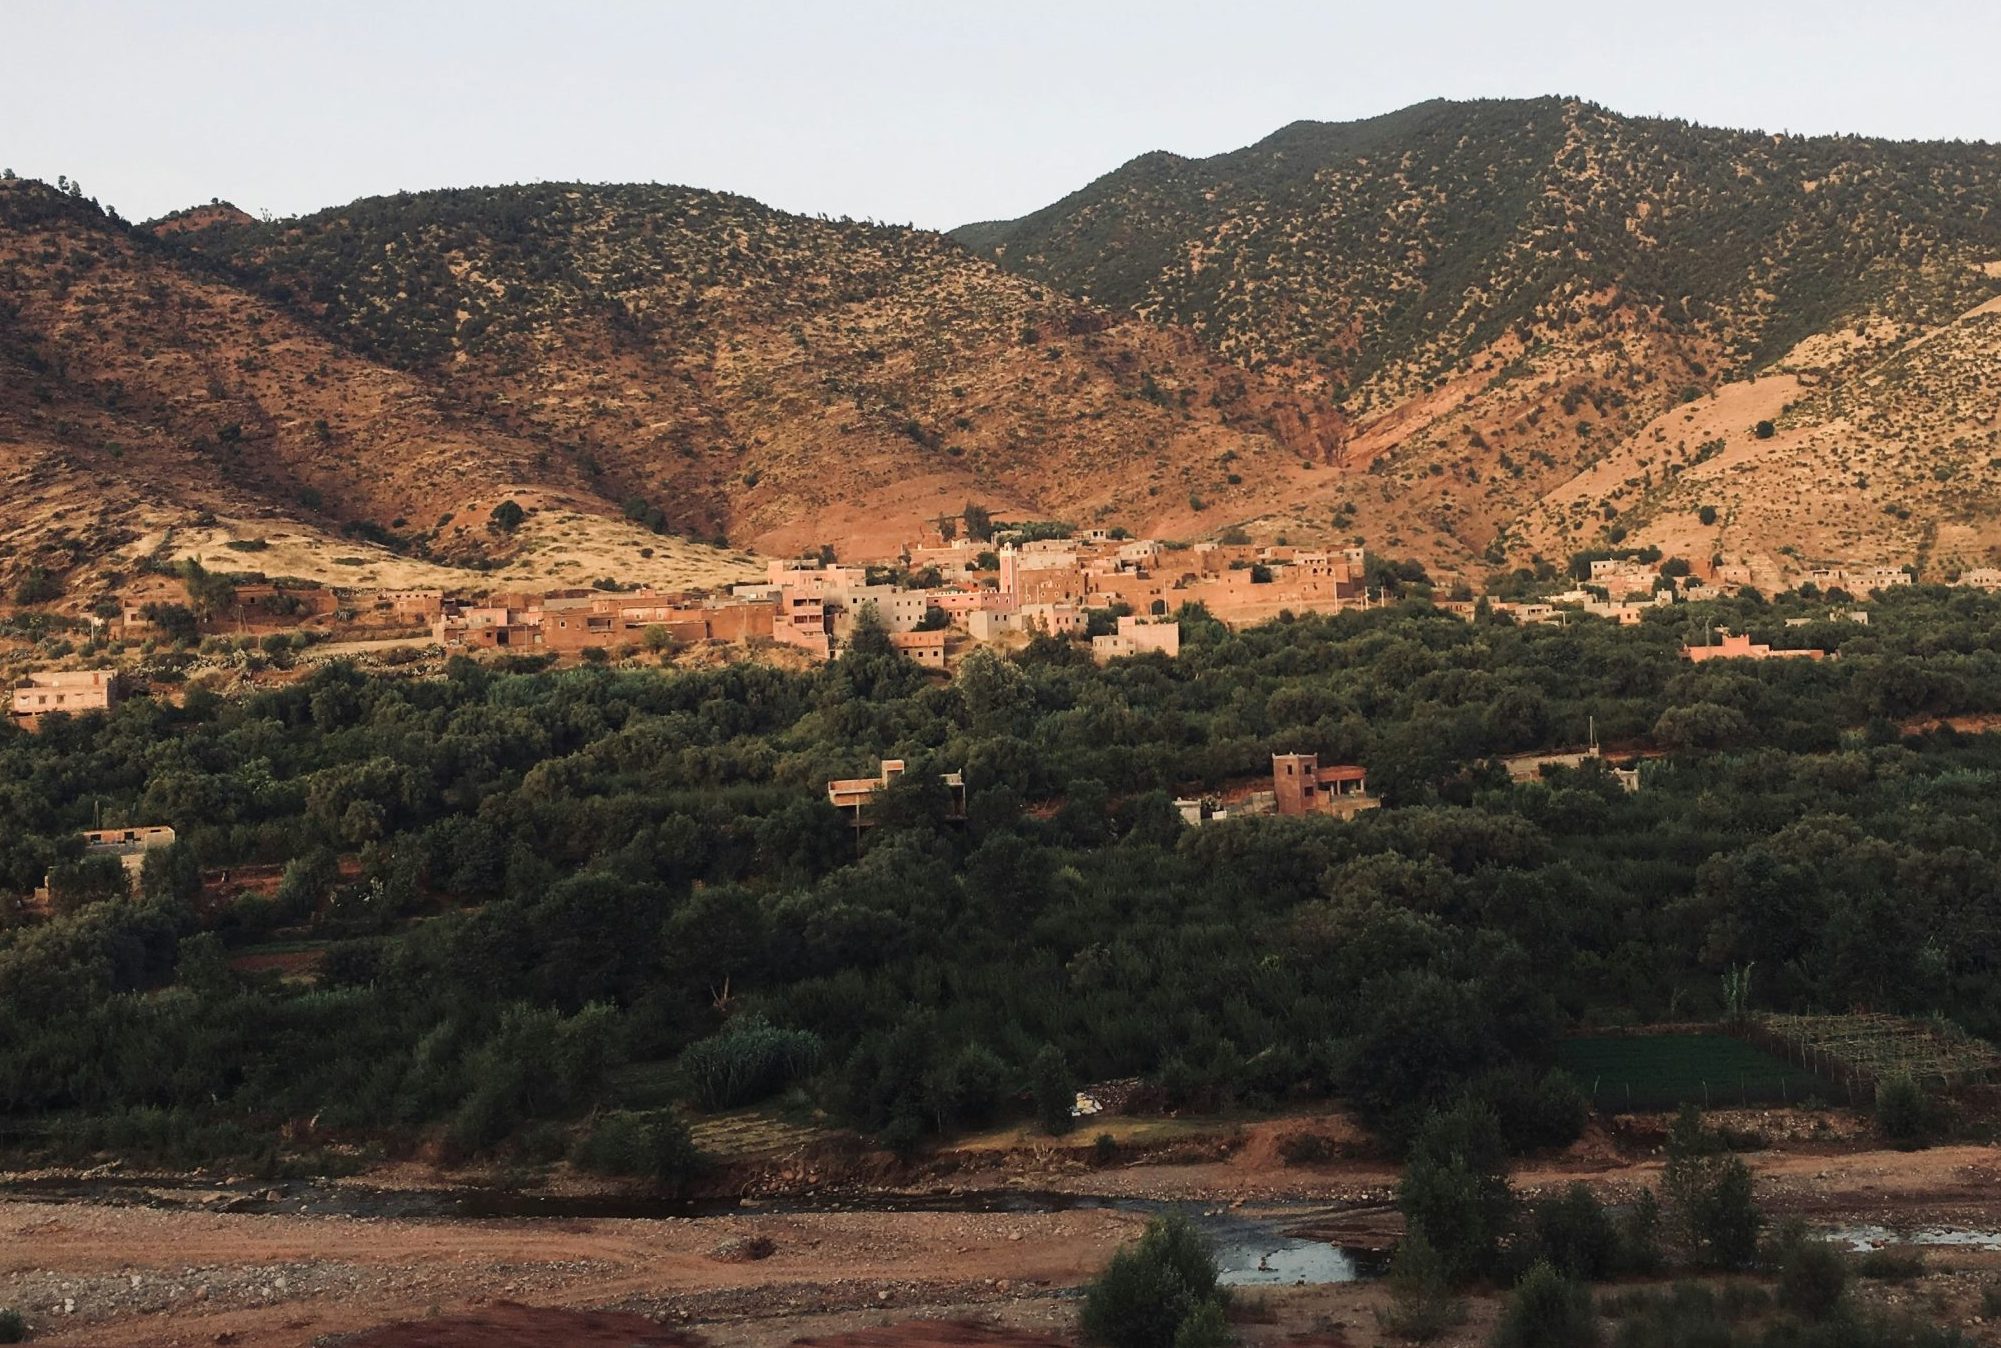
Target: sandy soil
102 1275
895 513
559 545
99 1274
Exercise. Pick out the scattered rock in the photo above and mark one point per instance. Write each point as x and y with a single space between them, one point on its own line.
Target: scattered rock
744 1249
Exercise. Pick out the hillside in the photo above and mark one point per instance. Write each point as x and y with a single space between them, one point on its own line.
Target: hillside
145 403
650 370
781 380
1502 294
1895 460
1471 333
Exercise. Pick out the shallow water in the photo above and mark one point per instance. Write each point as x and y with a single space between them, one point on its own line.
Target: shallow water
1861 1238
1273 1260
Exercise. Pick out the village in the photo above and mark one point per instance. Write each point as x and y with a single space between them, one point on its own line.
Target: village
936 601
940 598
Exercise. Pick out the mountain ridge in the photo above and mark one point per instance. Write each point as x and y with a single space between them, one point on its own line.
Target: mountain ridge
1433 332
1512 288
693 362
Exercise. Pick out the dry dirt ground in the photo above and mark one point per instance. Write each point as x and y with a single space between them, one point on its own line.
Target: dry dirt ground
100 1274
559 545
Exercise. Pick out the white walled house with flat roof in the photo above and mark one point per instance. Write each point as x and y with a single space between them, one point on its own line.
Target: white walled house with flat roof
71 691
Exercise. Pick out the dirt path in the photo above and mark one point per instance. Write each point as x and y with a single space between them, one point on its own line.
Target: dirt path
88 1274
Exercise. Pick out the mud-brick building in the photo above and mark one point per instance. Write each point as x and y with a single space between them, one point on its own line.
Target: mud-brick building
73 691
1303 786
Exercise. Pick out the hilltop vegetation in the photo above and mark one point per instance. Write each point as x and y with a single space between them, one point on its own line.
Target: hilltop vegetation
1389 251
516 881
689 361
1504 294
1451 333
735 365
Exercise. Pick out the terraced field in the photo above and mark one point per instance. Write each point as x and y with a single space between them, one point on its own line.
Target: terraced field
748 1134
1664 1071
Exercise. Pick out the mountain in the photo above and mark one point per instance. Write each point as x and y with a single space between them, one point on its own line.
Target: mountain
1504 294
641 366
151 408
1476 334
785 380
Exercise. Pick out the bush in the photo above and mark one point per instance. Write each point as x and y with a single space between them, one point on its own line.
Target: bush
1422 1306
1546 1310
1306 1148
1904 1111
1890 1266
967 1089
746 1061
1455 1189
1535 1111
1688 1315
1574 1235
652 1146
1205 1327
1154 1289
1639 1229
1707 1194
1055 1090
13 1329
36 586
1813 1276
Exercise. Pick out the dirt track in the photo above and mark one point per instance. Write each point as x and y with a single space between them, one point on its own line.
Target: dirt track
98 1274
108 1276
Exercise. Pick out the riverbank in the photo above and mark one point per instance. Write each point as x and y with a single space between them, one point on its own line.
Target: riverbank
122 1261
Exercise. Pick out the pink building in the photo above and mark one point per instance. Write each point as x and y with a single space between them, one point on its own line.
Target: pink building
1740 647
71 691
958 603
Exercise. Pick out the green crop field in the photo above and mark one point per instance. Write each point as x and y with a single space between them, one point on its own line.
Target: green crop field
1662 1071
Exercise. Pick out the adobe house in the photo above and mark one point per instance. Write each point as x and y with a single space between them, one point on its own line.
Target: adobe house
72 691
1048 568
803 620
490 626
1137 635
129 845
958 603
1621 578
829 581
852 794
897 610
576 620
1056 620
1050 585
1740 647
1859 579
1130 588
927 649
958 558
412 606
1302 786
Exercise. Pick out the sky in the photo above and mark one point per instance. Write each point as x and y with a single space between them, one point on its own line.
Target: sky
924 112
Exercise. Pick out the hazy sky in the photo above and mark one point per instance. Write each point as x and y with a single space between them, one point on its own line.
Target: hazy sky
929 113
